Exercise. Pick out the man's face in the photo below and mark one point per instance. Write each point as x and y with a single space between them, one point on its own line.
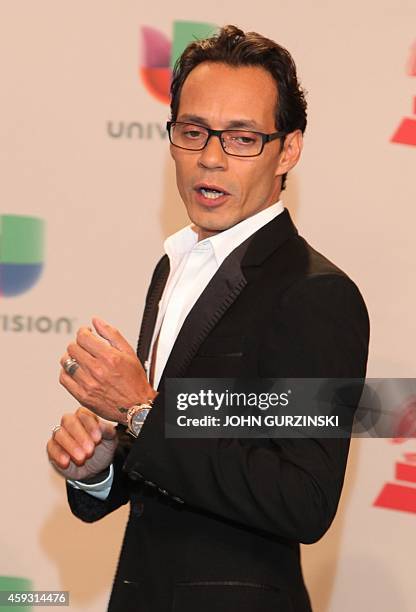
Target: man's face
219 96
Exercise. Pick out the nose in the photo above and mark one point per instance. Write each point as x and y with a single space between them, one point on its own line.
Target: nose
213 155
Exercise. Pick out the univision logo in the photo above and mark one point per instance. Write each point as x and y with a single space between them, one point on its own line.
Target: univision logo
159 54
21 253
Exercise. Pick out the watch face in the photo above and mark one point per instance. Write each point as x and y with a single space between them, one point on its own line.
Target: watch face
138 419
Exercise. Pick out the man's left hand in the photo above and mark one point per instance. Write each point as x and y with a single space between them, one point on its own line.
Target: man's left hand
109 376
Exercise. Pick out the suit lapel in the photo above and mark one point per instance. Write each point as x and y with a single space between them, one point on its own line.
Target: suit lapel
222 290
157 285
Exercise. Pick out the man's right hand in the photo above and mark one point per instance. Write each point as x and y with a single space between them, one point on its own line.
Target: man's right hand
84 445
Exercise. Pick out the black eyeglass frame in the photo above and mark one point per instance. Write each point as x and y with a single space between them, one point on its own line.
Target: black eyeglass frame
265 137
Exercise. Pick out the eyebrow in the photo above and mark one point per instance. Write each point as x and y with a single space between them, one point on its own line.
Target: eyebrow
235 123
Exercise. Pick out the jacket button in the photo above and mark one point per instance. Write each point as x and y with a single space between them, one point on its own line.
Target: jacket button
163 491
134 475
150 483
178 500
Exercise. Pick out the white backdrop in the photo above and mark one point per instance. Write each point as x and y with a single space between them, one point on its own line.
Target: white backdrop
70 79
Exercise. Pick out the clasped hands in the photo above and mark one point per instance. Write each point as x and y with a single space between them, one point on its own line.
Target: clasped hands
110 377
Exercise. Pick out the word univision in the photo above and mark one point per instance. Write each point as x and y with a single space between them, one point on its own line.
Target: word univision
42 324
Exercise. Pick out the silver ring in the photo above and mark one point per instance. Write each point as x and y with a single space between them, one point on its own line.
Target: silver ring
54 430
71 365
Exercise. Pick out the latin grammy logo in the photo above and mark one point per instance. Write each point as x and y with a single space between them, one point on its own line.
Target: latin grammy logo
406 132
401 494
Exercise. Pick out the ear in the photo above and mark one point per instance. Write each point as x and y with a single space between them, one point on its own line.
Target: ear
290 154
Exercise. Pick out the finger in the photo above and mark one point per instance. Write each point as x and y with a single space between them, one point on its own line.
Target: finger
57 455
108 431
66 357
97 428
70 384
75 427
77 383
91 423
67 443
112 334
78 372
91 343
83 357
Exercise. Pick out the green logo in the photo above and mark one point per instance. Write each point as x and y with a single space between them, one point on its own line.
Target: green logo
21 253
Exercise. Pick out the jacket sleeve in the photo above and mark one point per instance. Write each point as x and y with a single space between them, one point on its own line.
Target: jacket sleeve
89 508
291 487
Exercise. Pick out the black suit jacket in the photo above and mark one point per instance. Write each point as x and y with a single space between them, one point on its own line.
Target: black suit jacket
215 524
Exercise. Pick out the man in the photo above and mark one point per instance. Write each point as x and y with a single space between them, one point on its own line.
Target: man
215 524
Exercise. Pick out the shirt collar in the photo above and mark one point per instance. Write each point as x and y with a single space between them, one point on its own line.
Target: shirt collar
223 243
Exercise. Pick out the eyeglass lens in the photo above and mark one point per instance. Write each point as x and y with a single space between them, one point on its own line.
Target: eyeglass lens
194 138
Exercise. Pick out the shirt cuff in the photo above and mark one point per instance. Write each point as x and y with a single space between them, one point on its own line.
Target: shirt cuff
100 490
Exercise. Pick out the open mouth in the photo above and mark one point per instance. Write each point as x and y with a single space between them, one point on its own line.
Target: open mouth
211 192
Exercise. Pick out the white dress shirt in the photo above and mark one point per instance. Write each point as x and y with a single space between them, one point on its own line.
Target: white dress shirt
192 266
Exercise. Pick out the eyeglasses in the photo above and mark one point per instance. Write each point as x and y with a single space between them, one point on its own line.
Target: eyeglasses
241 143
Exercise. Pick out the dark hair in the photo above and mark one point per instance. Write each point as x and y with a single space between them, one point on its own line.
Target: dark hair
236 48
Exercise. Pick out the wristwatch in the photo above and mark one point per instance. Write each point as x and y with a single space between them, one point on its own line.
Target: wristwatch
136 416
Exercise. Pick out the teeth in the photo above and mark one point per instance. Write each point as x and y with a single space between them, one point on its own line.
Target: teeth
211 194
